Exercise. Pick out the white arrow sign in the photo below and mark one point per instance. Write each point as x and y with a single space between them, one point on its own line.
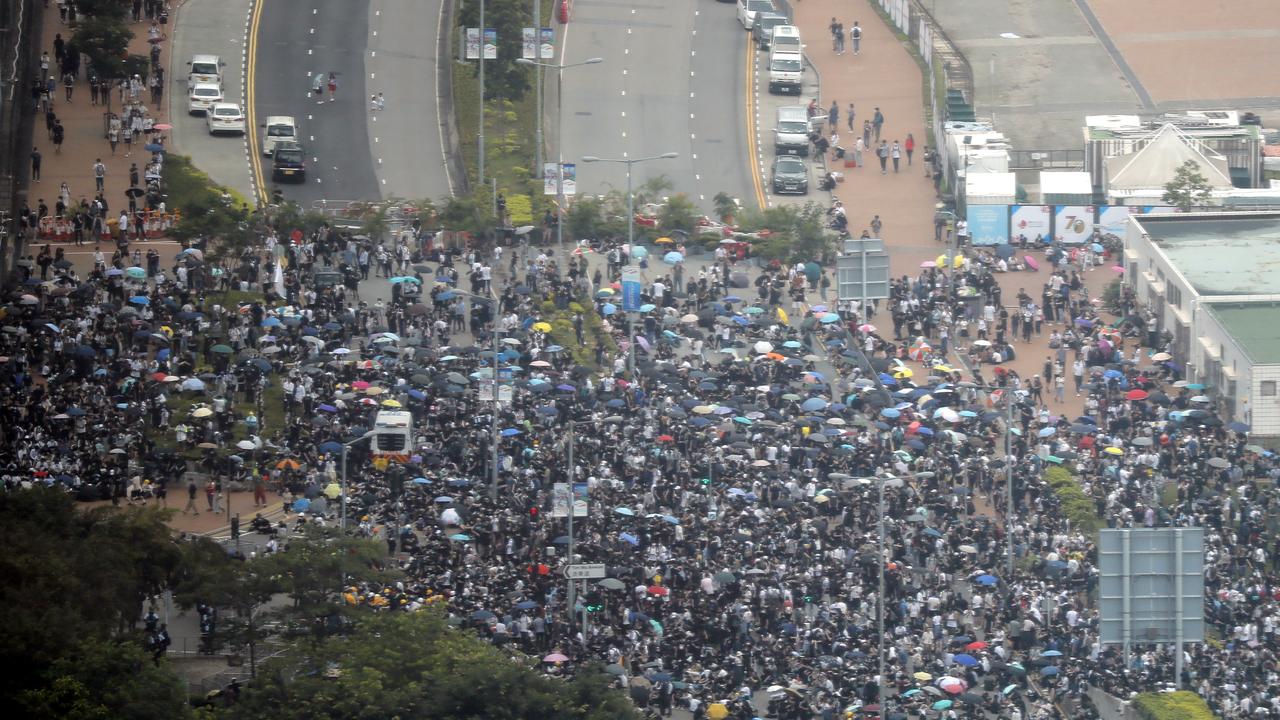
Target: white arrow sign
584 572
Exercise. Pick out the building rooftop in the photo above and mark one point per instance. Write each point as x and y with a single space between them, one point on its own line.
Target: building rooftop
1219 254
1253 326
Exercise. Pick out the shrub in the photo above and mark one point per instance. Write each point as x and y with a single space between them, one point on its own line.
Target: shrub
520 210
1078 507
1180 705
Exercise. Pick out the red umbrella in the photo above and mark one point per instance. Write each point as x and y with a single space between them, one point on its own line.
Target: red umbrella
666 438
659 590
1136 394
976 645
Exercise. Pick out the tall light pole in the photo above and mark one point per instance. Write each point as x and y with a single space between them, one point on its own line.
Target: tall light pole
493 426
342 520
631 233
560 68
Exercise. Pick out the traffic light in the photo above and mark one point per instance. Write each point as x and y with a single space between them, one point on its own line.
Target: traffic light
593 602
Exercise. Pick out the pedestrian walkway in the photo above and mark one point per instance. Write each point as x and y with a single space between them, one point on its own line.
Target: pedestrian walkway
884 75
85 133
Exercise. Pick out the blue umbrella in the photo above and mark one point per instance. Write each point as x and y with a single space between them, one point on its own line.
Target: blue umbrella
444 499
421 481
192 384
828 318
1097 247
447 295
629 538
526 605
966 660
271 322
301 505
933 532
639 252
330 447
608 309
647 307
140 300
1050 653
510 432
813 404
986 579
1047 431
327 408
460 537
890 413
625 511
1049 670
672 258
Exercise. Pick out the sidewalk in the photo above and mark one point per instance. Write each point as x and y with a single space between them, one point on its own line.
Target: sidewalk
85 138
885 75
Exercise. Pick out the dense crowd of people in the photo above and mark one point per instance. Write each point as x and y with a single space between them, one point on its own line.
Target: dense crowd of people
746 485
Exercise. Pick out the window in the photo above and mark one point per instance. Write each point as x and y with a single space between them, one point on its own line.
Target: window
1174 296
1268 388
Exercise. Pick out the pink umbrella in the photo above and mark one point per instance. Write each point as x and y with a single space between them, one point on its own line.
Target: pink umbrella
1118 268
952 685
555 657
866 328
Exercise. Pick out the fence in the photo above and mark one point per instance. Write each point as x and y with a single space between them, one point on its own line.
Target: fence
1047 159
947 72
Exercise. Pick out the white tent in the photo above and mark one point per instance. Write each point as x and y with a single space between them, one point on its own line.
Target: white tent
1144 174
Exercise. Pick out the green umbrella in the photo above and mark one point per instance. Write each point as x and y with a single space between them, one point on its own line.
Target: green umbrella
1054 459
222 349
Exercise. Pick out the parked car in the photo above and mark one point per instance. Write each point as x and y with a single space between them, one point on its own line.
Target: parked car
790 175
202 97
747 10
224 117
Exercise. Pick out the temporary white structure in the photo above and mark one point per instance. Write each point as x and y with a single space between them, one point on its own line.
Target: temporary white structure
1140 177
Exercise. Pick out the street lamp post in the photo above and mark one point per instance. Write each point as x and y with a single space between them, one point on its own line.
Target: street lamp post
631 232
493 425
342 519
559 68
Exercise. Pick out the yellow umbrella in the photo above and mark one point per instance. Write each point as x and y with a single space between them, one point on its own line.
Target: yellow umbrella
374 390
943 368
391 403
902 373
956 261
542 326
201 412
923 676
1113 451
332 491
665 241
717 711
704 409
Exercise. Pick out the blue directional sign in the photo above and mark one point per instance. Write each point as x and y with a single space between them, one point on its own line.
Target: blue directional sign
631 288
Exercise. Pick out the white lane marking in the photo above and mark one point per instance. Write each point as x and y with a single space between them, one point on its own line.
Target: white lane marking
444 156
313 31
315 11
309 51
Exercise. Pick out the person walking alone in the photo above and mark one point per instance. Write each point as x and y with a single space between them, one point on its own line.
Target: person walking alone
882 152
877 122
333 85
99 174
36 160
849 118
833 116
895 152
910 146
855 36
192 490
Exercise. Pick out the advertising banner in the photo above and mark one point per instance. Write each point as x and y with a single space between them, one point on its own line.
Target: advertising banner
548 47
549 178
473 43
490 44
988 224
631 288
1073 224
529 44
570 179
1114 220
1033 222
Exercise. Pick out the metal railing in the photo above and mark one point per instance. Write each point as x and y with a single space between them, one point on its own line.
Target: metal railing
1057 159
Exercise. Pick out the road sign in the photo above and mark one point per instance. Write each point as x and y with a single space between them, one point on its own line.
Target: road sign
862 270
584 572
1152 585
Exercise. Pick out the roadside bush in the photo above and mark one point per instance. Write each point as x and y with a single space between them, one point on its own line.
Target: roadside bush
1078 507
520 210
1180 705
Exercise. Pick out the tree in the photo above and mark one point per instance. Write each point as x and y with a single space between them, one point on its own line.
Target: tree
678 214
102 8
212 576
503 76
794 233
75 583
105 40
653 190
1188 189
726 206
414 665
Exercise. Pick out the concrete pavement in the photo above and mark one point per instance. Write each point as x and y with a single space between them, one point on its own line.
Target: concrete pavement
216 27
885 75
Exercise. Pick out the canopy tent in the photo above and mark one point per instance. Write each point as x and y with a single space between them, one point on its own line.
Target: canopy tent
1144 174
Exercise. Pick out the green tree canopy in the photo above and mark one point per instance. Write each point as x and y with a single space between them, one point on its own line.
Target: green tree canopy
105 40
415 666
1188 188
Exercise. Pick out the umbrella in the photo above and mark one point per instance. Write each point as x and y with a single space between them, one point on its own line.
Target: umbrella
136 273
611 584
987 580
629 538
672 258
966 660
624 511
1051 653
942 705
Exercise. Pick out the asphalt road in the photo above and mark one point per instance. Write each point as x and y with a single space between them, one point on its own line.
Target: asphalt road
295 41
216 27
672 80
763 115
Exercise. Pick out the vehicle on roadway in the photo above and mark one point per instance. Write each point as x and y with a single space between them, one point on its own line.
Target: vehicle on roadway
392 435
785 72
762 28
747 10
224 117
279 128
287 162
202 97
205 69
790 175
791 132
786 38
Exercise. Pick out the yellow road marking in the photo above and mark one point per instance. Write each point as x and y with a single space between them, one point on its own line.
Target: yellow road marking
255 152
752 150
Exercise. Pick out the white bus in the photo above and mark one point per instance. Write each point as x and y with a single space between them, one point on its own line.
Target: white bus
393 435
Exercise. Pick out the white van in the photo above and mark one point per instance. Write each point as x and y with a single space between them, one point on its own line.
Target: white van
279 128
785 71
791 132
205 68
786 38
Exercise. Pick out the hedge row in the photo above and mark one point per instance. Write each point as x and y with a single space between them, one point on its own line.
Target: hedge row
1180 705
1078 507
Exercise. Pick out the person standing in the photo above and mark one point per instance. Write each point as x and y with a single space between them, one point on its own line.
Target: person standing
36 160
866 133
895 152
855 35
858 147
910 146
833 116
877 122
849 118
333 85
835 31
882 152
99 174
191 499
